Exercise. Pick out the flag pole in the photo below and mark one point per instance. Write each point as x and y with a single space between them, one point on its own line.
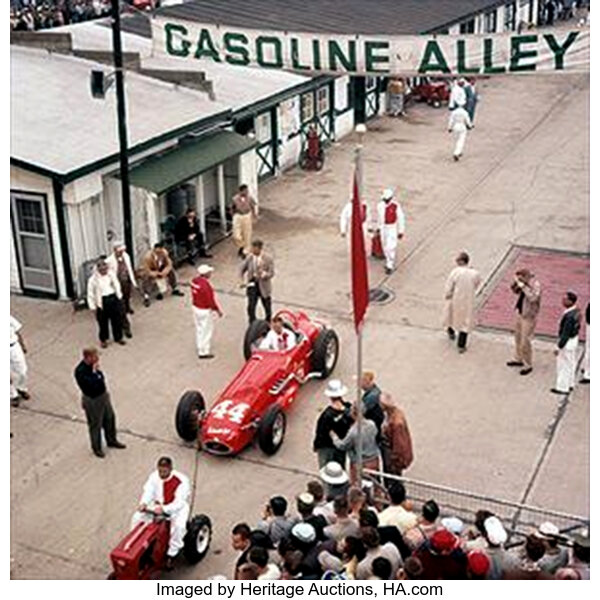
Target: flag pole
360 130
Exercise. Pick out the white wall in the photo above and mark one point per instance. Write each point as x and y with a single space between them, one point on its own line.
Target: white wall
288 122
26 181
247 173
344 123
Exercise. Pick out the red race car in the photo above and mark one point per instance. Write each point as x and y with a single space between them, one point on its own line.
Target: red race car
254 403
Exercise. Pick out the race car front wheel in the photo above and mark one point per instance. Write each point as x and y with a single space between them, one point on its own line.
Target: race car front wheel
271 430
197 539
254 334
325 353
187 418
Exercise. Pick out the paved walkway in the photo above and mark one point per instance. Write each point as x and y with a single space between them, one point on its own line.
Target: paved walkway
476 425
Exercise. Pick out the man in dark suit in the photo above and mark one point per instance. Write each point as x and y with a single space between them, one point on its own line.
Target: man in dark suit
566 348
258 269
187 232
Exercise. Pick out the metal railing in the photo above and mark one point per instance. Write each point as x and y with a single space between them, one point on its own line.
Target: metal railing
519 519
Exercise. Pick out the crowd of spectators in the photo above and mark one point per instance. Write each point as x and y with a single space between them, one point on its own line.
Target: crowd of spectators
338 531
32 15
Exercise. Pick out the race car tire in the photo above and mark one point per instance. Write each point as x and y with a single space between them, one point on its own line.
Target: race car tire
191 404
325 353
271 430
256 330
197 539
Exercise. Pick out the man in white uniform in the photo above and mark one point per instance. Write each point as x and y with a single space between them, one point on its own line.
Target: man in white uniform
278 338
166 492
459 123
458 94
346 221
391 223
18 366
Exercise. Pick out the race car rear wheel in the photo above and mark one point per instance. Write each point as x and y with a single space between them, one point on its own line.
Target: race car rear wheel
325 353
187 418
197 539
271 430
254 334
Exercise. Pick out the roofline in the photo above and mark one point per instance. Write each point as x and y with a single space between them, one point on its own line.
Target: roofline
299 88
465 17
70 176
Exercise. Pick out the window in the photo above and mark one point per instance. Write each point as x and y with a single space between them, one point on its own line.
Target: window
468 26
490 21
510 16
323 100
307 107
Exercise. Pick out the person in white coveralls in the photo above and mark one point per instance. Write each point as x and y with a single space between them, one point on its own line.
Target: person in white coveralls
391 223
459 124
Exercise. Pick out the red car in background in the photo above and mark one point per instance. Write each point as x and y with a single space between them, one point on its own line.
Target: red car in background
255 402
434 91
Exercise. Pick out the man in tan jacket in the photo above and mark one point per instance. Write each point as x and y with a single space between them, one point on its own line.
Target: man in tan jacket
256 271
528 308
158 272
461 285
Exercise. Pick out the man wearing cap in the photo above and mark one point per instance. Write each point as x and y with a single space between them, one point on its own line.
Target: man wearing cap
391 225
461 286
458 94
478 564
566 347
527 309
335 479
104 297
501 560
555 556
158 272
459 123
204 304
335 418
119 262
305 504
18 365
443 557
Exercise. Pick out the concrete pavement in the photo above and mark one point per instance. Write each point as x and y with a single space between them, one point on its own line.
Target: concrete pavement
476 425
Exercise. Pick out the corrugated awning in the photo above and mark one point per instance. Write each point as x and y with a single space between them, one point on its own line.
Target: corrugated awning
166 171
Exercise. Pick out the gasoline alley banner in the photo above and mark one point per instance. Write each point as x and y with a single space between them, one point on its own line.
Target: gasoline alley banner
543 51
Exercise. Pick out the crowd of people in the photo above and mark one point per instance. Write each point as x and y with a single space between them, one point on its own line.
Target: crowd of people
335 530
32 15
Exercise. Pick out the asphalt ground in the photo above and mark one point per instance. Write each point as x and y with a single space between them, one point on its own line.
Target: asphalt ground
476 424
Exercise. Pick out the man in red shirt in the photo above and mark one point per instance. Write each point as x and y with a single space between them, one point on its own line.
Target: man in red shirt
204 304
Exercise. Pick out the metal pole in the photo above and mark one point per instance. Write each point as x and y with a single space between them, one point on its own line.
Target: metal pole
122 122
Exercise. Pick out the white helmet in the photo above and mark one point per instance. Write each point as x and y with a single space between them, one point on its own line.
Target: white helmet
388 194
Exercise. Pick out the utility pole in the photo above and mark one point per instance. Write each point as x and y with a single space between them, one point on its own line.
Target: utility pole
122 121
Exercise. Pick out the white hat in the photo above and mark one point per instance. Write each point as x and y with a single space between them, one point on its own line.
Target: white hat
306 499
388 194
204 269
304 532
335 389
494 531
333 473
548 529
453 524
117 245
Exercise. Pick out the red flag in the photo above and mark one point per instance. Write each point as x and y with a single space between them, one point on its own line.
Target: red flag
360 280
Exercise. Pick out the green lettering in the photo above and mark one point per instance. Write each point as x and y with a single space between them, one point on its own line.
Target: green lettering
558 50
434 53
461 52
336 54
316 55
265 40
371 58
517 53
184 46
237 54
488 58
206 47
295 45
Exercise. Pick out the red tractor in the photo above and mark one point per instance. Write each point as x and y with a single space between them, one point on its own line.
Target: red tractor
255 402
142 553
432 90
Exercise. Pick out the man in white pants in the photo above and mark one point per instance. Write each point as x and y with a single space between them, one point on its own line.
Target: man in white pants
204 304
566 348
166 492
391 223
586 357
346 221
18 366
459 123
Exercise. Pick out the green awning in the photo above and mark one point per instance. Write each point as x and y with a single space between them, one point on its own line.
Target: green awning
166 171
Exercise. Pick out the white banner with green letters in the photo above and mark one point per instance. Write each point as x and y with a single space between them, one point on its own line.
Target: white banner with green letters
533 51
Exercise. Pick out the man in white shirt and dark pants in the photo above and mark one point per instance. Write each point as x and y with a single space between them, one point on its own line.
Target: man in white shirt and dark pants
459 123
18 365
104 296
566 347
391 224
